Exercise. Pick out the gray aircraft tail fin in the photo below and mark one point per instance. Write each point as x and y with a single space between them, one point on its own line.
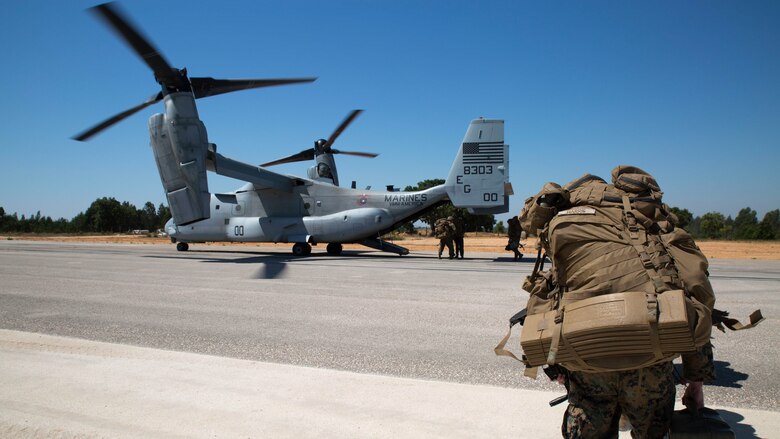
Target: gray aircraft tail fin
479 177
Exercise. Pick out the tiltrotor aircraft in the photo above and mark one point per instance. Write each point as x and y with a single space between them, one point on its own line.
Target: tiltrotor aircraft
272 207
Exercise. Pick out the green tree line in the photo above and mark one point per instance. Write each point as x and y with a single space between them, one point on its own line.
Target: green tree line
104 215
745 226
107 215
714 225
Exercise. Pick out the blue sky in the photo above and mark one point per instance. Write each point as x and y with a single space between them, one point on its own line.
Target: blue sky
689 91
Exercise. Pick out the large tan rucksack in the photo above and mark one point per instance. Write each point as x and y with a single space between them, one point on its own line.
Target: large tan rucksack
627 289
443 229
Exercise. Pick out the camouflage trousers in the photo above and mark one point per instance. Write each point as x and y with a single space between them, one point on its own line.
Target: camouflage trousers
458 240
596 401
448 243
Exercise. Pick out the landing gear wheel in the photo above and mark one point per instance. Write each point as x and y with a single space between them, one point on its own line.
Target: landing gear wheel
301 249
182 246
334 249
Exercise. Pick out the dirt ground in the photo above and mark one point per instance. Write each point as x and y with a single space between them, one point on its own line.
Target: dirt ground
763 250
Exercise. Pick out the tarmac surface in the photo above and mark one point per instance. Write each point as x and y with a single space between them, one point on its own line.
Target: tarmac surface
364 344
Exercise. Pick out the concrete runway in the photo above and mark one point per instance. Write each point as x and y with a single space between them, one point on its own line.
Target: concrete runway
413 317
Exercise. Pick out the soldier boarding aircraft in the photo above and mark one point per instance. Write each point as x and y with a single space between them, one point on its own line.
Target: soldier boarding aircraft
272 207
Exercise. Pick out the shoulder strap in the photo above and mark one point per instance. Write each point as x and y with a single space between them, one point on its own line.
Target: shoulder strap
539 264
638 237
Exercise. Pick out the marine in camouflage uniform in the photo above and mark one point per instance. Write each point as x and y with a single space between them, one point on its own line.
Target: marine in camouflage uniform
596 402
514 233
445 230
645 396
596 260
460 231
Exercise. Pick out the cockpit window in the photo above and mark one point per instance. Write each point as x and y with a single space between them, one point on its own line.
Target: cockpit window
323 170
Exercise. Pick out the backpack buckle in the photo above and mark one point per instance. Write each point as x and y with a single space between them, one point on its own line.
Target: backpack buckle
652 307
647 260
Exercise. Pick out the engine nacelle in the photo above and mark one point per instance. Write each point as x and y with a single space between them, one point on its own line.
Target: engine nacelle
180 145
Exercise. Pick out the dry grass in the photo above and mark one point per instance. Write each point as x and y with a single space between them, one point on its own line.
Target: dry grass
483 242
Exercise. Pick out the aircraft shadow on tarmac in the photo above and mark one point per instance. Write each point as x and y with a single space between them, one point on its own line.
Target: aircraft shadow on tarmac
527 257
512 259
273 264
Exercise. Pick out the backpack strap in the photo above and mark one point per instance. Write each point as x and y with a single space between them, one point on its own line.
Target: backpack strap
638 237
652 321
539 264
556 337
570 186
720 318
501 350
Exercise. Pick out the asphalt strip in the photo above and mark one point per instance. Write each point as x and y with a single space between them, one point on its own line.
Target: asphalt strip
72 388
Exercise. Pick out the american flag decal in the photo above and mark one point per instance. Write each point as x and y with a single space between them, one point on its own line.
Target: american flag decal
489 152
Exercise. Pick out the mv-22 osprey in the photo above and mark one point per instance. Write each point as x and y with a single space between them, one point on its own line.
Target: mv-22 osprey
272 207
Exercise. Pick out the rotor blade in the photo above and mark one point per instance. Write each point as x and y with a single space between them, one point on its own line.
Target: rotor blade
109 12
203 87
357 153
341 128
304 155
114 119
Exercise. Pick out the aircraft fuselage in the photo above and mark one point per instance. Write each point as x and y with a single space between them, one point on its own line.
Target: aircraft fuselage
314 212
